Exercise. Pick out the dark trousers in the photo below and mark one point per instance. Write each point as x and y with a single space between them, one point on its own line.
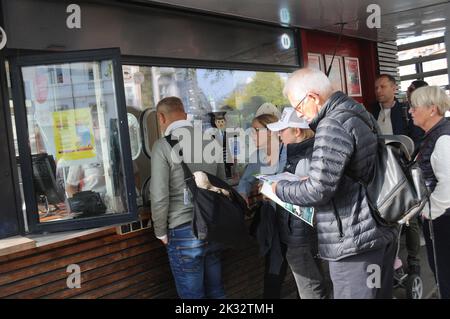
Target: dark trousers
274 282
351 276
441 226
412 233
308 271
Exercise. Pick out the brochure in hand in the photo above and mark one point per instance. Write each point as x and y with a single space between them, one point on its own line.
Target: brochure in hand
304 213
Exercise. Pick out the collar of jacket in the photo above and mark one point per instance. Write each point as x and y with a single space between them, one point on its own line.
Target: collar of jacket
442 122
177 124
394 105
300 149
335 100
376 108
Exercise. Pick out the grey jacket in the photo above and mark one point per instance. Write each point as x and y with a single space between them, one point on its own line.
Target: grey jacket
170 207
344 146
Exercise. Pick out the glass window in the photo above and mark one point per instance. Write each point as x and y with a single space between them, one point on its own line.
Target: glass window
404 85
239 93
435 65
422 51
73 128
75 137
439 80
407 69
203 91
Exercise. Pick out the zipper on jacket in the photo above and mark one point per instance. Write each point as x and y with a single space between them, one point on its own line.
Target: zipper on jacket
338 219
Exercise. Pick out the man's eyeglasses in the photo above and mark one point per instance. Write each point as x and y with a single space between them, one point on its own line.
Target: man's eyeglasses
297 107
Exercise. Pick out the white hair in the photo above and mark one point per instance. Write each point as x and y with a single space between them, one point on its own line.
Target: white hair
308 80
428 96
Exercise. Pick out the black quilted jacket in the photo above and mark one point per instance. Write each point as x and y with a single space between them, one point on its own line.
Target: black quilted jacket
344 146
293 231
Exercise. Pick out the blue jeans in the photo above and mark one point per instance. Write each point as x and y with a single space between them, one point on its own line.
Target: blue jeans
195 264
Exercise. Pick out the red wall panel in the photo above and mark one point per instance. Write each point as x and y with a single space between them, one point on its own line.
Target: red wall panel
364 50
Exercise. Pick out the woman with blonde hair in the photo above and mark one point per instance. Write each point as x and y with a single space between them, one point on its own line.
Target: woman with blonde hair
428 108
266 158
269 158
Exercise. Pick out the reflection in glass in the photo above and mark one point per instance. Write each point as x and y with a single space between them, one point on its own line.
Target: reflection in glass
74 138
203 91
135 136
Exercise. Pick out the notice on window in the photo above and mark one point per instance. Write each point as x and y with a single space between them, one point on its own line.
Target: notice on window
74 135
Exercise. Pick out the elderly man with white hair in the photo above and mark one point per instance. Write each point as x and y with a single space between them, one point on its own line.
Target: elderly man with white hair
360 252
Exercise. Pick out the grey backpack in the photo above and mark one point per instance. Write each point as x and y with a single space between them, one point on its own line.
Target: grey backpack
397 186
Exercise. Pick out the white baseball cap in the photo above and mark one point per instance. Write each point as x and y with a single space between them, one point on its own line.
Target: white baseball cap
268 108
288 118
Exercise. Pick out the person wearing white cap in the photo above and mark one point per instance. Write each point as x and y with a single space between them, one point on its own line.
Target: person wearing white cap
268 108
299 237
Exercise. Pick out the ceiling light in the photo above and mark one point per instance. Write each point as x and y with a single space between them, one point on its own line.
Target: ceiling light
405 25
434 30
285 17
428 21
405 34
285 41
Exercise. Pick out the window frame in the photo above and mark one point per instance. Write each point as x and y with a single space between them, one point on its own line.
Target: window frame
16 63
12 213
418 61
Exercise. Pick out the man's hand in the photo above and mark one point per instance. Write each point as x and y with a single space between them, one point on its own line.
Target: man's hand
164 239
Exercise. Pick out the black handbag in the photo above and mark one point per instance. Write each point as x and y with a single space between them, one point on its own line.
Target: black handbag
89 203
216 217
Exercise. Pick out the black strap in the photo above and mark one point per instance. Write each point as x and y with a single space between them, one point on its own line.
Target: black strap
187 172
417 150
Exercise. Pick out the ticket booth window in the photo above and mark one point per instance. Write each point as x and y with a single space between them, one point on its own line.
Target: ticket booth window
75 155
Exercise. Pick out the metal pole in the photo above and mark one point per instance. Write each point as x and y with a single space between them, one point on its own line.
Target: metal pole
430 224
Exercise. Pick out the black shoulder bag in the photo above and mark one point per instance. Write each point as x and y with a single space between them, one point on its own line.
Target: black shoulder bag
217 217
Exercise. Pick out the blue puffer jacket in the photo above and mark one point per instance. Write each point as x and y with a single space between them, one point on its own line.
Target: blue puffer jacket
344 146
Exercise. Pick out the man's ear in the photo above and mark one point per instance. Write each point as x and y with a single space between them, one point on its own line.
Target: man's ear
315 98
161 118
435 109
